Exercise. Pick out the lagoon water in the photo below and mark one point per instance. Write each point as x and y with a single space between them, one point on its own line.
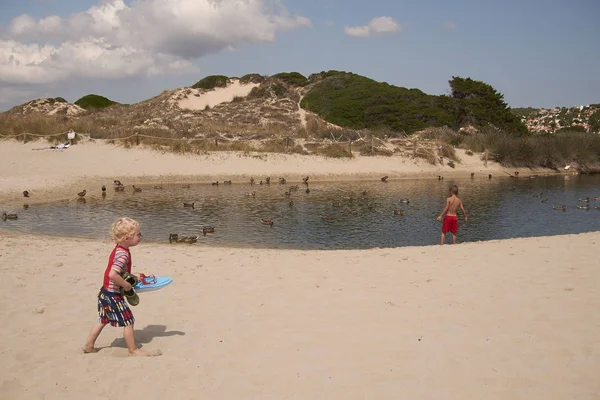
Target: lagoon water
498 208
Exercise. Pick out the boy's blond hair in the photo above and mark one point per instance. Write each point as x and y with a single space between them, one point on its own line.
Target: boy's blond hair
123 228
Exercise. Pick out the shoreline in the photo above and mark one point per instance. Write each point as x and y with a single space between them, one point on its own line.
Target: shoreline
53 175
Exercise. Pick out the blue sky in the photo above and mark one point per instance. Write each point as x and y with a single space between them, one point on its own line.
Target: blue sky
537 53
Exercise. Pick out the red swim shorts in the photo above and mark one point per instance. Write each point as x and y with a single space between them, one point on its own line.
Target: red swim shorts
450 224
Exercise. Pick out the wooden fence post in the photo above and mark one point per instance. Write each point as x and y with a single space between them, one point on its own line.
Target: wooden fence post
24 138
137 138
350 147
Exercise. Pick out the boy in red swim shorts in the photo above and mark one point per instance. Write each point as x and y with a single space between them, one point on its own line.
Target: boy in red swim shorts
450 223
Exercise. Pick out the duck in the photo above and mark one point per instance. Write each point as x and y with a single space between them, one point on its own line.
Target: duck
208 229
398 212
103 188
267 221
560 208
250 194
307 190
585 200
305 180
190 205
252 180
173 237
227 182
585 207
538 195
268 180
472 175
407 201
440 178
596 198
282 181
384 179
489 176
119 188
6 216
136 189
25 193
215 183
117 182
82 193
544 200
189 239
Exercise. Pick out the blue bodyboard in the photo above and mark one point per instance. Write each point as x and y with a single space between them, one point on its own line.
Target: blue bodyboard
153 283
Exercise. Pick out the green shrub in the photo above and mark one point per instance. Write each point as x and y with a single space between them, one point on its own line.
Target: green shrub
252 78
211 82
291 78
94 101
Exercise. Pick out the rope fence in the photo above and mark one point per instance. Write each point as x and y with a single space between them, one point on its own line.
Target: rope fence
432 150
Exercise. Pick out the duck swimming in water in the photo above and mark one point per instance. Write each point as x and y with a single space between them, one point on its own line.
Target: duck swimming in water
267 221
82 193
208 229
190 205
560 208
6 216
25 193
398 212
586 207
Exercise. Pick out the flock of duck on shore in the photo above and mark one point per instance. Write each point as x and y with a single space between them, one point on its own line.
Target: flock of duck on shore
176 238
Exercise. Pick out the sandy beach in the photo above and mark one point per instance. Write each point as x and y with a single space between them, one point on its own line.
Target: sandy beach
510 319
60 174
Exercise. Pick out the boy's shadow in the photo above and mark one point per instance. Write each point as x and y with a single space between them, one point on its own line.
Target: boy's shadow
146 335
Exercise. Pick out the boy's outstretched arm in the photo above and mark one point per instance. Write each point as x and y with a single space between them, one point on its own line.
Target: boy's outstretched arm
463 210
444 211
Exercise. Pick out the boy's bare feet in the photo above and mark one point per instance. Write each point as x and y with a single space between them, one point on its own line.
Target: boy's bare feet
141 353
87 350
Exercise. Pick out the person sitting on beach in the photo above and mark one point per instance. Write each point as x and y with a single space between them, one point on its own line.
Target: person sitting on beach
112 307
450 223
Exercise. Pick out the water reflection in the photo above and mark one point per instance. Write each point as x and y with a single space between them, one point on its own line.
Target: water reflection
334 215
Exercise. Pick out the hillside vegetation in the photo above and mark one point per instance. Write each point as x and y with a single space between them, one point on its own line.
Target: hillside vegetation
334 113
94 102
357 102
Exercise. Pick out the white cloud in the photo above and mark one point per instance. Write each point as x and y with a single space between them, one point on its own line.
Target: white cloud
113 40
377 25
449 26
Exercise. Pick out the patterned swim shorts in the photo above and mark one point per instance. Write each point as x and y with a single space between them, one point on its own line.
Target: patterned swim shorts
113 309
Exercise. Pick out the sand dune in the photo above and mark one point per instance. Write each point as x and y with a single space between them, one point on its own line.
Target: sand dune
199 99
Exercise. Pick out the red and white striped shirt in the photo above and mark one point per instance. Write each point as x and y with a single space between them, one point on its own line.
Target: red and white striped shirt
120 262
